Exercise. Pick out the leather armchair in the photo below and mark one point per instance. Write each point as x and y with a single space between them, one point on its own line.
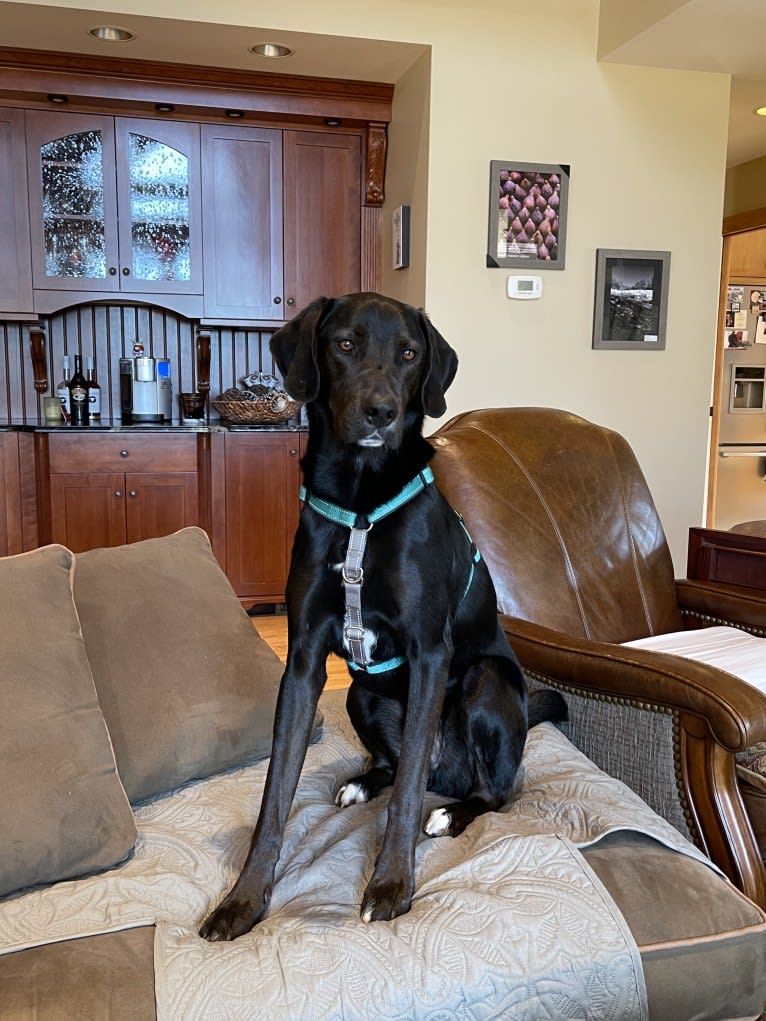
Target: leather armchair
563 516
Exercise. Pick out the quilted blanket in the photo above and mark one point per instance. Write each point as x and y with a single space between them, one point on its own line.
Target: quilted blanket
508 921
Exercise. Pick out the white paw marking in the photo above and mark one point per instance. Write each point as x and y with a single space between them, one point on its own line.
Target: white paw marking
350 794
438 822
367 916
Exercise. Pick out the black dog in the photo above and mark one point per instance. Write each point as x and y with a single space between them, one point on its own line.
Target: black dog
385 574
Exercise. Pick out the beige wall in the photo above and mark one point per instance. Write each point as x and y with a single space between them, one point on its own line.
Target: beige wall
745 187
647 148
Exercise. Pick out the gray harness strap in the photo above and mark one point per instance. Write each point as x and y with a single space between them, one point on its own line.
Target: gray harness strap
353 576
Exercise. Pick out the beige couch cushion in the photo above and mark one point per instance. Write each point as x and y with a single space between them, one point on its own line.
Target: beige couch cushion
187 686
63 811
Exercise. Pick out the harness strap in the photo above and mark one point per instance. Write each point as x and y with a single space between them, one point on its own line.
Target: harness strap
353 575
341 516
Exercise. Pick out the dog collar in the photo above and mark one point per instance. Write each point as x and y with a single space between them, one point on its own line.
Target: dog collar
349 519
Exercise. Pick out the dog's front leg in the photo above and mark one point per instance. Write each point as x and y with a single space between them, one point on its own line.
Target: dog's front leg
249 898
389 892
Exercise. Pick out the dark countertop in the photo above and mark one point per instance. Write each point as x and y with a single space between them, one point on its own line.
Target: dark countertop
152 427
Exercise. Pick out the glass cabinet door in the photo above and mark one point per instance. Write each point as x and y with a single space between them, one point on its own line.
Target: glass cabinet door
114 204
72 201
158 186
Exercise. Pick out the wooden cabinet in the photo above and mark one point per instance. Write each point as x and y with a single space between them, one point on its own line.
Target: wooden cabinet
10 495
115 208
262 480
15 252
748 257
282 219
322 216
135 487
242 210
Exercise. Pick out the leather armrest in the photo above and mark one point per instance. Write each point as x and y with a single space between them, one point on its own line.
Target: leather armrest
734 710
725 604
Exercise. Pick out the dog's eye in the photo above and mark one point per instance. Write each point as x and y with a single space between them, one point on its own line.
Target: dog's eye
409 354
346 345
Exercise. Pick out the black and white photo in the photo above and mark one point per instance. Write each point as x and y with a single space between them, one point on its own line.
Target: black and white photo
630 311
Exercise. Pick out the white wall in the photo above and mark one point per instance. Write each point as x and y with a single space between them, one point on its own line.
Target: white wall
510 79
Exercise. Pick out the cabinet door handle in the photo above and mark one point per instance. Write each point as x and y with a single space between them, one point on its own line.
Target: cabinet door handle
293 452
291 301
112 271
118 493
125 271
132 493
277 300
124 453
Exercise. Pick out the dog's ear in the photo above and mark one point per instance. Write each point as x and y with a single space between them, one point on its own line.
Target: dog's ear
441 367
294 347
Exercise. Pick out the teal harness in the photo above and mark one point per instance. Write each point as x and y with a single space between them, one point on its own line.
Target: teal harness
353 572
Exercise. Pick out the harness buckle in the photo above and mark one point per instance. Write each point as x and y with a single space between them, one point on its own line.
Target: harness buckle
353 633
352 576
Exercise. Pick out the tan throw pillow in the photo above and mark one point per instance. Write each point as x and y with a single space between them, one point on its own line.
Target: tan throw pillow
187 686
63 811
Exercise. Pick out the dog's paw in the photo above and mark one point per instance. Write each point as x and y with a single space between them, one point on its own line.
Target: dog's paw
384 901
231 919
438 823
351 793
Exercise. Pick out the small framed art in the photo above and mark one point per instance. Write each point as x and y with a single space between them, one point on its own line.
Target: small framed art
527 214
631 302
401 237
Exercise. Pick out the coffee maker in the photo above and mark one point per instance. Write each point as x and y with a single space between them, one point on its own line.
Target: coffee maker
146 390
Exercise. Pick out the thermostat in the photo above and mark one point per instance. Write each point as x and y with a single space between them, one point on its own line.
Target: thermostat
525 287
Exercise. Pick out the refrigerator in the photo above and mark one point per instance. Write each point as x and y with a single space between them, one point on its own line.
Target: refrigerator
741 485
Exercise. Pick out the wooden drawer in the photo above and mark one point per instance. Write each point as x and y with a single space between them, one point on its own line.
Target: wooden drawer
122 452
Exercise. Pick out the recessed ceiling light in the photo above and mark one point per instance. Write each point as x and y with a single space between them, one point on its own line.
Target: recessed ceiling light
271 50
164 107
56 97
111 33
234 114
761 111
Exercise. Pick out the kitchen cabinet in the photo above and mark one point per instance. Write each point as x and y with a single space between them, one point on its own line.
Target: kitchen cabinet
15 251
262 481
282 219
242 222
135 487
115 208
322 216
10 495
748 257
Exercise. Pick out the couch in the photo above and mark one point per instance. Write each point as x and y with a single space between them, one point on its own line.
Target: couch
137 710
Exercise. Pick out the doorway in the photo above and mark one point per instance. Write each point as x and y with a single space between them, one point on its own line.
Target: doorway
743 267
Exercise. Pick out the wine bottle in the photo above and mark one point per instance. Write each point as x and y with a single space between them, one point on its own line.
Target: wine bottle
78 394
62 389
94 393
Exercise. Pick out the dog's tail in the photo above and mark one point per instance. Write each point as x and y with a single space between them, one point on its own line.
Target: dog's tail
546 705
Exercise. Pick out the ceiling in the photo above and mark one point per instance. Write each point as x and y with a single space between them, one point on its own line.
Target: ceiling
727 36
724 36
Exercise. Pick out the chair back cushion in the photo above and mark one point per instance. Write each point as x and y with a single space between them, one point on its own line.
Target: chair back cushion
564 518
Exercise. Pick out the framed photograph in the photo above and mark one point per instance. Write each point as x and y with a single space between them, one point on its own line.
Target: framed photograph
631 304
527 215
401 237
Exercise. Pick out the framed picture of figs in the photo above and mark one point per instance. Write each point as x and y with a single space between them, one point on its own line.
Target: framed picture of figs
527 214
631 304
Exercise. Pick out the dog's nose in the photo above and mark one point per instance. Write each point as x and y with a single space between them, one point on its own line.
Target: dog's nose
379 414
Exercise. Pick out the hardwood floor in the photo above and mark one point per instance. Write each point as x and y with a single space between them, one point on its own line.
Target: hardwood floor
273 629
